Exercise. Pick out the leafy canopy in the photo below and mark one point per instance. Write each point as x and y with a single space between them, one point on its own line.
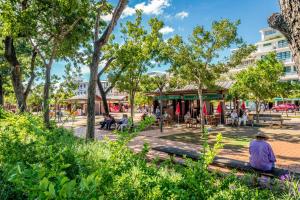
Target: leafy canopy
259 82
196 60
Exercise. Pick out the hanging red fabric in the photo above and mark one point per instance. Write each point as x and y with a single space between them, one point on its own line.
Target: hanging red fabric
219 108
243 106
177 109
204 109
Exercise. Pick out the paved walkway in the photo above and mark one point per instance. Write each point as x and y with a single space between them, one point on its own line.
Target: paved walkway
285 141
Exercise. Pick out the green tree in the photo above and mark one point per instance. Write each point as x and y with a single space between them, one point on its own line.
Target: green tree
60 37
67 87
55 29
195 60
159 82
35 98
260 82
18 62
4 74
139 49
98 43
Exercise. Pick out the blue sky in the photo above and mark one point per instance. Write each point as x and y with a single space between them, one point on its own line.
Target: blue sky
181 16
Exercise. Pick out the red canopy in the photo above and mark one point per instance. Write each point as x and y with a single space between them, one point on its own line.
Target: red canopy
177 109
204 110
243 106
219 108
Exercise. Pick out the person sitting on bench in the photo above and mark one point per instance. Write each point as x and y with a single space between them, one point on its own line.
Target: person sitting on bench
110 121
234 118
122 123
244 118
261 153
104 122
187 117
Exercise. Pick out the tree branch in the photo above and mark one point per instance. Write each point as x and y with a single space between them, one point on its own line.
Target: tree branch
32 74
96 34
277 21
38 51
69 29
116 15
10 53
117 76
106 66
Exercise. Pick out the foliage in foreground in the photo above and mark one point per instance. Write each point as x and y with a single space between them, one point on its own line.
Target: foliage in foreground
36 163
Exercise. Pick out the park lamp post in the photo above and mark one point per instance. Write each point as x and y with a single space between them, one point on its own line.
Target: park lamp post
161 82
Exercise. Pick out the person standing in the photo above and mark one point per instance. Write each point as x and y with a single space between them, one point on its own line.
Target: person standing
261 153
157 113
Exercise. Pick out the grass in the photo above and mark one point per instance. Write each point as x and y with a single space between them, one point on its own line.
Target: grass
230 140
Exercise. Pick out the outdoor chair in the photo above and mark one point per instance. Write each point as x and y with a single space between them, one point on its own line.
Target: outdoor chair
191 122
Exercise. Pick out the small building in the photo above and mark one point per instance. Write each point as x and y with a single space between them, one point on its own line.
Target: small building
79 103
115 99
188 99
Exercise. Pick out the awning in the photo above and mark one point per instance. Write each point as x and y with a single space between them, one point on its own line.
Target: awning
81 98
116 98
205 97
286 99
170 97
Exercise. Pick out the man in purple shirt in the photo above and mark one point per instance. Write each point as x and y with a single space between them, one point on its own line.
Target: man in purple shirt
261 153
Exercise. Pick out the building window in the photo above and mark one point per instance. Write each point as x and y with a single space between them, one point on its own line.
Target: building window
270 32
282 43
287 69
284 55
295 68
267 44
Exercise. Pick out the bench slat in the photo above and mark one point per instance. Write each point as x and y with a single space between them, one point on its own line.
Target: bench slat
221 162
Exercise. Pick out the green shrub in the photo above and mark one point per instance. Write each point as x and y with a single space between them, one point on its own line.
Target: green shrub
36 163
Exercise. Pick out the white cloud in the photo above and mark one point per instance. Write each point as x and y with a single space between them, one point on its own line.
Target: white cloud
166 30
106 18
153 7
128 11
182 15
85 70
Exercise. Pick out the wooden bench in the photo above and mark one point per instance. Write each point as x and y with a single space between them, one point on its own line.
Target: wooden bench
272 118
223 162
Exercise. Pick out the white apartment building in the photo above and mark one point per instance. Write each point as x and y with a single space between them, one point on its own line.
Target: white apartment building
272 41
114 97
83 89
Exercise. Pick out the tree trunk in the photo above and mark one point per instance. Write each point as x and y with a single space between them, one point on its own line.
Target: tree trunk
103 96
46 96
132 105
98 44
161 111
202 122
16 76
1 92
90 134
257 105
288 23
